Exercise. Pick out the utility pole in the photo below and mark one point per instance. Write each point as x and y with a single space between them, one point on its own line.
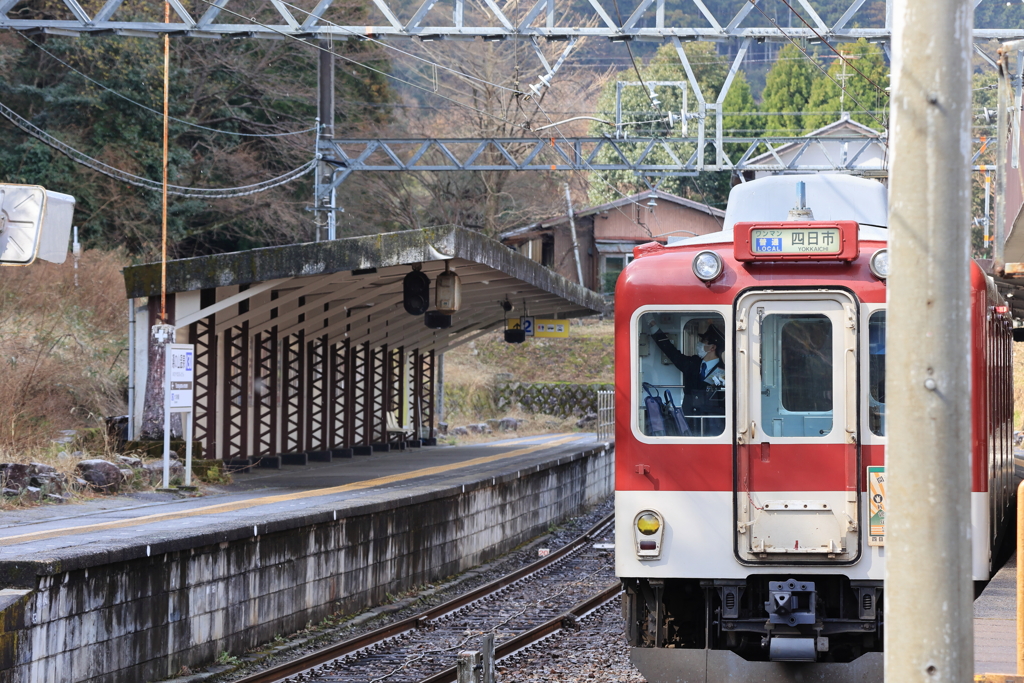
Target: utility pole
572 230
928 589
325 114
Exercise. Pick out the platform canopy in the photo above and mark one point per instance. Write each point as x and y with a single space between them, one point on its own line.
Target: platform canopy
352 288
308 347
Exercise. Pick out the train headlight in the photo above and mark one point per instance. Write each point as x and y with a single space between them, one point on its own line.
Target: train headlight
648 524
648 527
879 264
707 265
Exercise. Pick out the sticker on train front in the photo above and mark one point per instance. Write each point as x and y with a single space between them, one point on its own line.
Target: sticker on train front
876 506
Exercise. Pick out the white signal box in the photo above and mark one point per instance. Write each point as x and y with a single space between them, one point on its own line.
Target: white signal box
34 223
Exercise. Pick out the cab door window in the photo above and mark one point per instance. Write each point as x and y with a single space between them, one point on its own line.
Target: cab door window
797 375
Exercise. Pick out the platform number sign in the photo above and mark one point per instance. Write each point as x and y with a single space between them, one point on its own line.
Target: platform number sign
527 325
876 506
180 375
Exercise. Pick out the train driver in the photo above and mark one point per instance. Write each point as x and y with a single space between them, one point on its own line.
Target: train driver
703 378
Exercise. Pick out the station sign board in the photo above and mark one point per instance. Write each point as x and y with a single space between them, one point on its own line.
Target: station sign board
550 328
180 376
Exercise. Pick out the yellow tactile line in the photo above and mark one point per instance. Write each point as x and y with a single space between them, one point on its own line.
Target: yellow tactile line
268 500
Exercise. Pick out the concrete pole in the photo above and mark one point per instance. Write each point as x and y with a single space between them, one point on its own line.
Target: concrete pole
325 113
928 589
572 230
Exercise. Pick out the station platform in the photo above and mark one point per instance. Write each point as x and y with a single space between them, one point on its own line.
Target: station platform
136 587
995 623
110 526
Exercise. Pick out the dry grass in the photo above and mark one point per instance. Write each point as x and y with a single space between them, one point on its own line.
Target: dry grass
471 372
62 350
531 424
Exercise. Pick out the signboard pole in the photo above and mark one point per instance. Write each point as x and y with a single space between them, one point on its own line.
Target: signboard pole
178 399
167 438
186 425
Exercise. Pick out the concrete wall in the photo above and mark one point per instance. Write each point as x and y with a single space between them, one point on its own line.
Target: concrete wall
138 618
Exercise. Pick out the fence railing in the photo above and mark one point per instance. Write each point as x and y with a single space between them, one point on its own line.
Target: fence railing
605 415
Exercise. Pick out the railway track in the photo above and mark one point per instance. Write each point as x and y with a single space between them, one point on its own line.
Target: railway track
520 608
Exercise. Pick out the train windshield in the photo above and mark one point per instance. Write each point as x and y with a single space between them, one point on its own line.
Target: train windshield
876 373
682 374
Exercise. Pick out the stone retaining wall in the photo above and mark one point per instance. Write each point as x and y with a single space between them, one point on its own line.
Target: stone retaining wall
140 618
561 400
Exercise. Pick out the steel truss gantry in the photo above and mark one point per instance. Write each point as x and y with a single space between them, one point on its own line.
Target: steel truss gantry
545 21
843 154
457 19
679 156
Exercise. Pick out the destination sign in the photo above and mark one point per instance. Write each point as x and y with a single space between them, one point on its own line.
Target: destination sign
796 241
800 241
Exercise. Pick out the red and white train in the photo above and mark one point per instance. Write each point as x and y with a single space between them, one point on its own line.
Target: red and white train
750 437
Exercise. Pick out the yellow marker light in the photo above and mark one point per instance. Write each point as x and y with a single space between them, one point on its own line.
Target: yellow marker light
648 524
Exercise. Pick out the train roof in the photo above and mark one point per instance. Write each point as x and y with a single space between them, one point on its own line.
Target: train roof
831 197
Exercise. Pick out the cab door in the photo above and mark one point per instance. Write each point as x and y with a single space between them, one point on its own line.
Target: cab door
796 484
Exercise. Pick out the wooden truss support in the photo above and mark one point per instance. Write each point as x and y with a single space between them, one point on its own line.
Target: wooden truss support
293 397
201 334
358 406
396 390
377 425
337 436
265 390
235 413
316 394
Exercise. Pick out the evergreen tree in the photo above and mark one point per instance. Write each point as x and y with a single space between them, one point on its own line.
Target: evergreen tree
787 91
741 113
254 88
863 98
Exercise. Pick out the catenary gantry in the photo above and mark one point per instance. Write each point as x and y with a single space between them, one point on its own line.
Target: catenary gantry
308 347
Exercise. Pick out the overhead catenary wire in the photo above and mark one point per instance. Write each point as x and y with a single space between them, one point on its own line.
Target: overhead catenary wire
841 86
827 44
152 185
155 111
430 62
358 63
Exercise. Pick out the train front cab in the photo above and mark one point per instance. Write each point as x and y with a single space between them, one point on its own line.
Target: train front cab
749 533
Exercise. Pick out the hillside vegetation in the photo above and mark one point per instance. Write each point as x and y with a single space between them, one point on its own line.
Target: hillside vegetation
473 370
63 350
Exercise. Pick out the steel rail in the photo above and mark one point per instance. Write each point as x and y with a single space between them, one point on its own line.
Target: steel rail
419 620
537 633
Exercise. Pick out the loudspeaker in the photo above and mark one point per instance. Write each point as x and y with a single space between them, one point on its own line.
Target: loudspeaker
436 320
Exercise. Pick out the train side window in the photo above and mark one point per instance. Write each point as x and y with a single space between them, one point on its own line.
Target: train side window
876 373
796 380
681 373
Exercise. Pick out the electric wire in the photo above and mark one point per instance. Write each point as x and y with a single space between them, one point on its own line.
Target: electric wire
815 63
155 111
145 183
629 50
430 62
829 46
358 63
